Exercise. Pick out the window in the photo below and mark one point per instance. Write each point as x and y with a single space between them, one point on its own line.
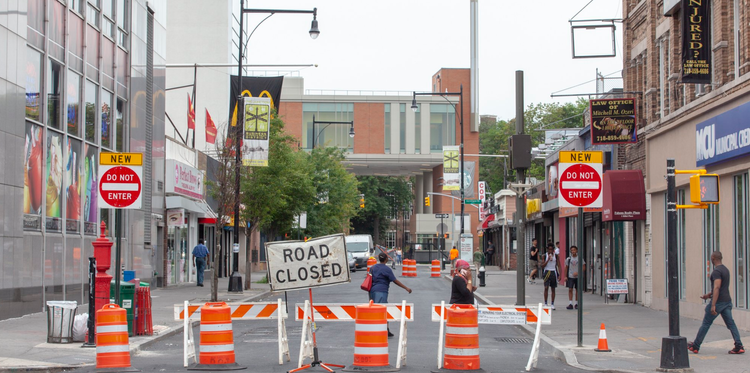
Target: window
54 90
57 30
92 13
328 134
402 128
122 23
106 119
418 129
740 239
711 234
35 22
73 99
92 53
108 65
120 130
75 43
33 84
77 5
72 185
442 126
91 111
387 127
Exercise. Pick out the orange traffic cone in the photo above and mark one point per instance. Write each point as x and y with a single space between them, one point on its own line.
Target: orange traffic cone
602 341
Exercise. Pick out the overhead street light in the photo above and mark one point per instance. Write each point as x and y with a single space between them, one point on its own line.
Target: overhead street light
460 93
328 122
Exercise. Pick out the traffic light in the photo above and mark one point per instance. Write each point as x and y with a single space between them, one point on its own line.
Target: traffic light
704 189
362 202
446 235
427 201
306 238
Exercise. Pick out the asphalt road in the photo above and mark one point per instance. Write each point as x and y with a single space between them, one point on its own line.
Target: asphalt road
502 348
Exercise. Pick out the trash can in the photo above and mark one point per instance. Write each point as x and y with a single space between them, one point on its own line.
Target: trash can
60 316
127 301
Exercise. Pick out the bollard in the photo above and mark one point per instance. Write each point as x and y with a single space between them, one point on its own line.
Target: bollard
481 276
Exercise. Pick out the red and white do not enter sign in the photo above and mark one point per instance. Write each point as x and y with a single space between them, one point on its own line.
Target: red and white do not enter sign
120 187
580 185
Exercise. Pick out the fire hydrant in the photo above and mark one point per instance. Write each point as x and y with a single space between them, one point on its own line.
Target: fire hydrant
481 276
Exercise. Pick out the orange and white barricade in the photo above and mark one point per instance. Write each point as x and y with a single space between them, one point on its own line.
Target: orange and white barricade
435 269
409 268
498 314
237 311
348 312
112 345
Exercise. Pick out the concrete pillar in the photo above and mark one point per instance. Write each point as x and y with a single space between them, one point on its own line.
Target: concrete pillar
419 191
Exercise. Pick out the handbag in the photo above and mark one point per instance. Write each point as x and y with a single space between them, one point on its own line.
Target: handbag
367 283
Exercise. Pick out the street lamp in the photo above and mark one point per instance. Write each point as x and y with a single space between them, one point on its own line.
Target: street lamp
314 122
235 280
460 93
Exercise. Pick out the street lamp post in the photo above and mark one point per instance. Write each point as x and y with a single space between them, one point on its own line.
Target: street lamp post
235 280
328 122
460 93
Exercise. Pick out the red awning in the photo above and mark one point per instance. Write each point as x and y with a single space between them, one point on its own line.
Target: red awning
487 221
206 220
624 196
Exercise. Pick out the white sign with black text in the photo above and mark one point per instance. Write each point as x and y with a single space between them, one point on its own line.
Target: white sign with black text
300 265
501 317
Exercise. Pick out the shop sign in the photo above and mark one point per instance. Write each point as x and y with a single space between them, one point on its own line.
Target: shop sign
482 195
696 38
176 218
613 121
722 137
183 179
533 206
301 265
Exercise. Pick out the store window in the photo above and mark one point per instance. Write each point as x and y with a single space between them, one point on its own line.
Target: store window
73 185
90 186
106 131
54 92
33 84
73 99
54 180
387 128
91 110
442 126
740 239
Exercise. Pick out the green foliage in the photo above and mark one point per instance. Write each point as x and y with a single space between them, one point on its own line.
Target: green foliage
494 137
384 197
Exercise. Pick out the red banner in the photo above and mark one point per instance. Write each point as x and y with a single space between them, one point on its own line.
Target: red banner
210 129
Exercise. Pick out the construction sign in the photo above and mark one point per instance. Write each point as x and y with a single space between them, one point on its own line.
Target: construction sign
300 265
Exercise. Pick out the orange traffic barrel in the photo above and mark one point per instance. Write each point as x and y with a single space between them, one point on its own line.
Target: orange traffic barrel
112 346
371 262
371 339
413 268
216 338
461 338
405 269
435 268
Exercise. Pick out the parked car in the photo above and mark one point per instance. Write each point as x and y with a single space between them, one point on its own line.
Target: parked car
352 262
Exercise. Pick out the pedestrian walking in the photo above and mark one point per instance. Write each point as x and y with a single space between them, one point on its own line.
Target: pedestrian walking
551 273
453 257
462 289
557 248
382 276
399 253
200 260
720 304
490 251
571 265
533 261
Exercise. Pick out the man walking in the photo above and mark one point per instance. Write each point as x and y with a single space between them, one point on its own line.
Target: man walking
453 257
533 261
721 303
200 260
571 263
551 273
489 252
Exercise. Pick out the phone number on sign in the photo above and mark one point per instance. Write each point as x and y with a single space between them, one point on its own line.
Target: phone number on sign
612 138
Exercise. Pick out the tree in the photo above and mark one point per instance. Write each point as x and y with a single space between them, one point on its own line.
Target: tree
384 197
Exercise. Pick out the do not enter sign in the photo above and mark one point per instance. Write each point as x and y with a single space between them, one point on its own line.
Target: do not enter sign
120 187
581 185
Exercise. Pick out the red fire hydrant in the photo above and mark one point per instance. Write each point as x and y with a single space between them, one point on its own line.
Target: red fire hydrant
103 255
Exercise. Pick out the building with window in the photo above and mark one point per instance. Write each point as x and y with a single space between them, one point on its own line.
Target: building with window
700 125
78 78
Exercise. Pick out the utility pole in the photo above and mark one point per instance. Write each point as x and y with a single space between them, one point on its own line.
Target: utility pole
520 161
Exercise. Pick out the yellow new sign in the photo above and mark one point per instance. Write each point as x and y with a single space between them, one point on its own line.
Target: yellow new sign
581 157
121 159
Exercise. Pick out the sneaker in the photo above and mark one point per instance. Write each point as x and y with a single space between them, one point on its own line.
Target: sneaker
390 334
576 306
553 306
570 307
738 349
691 347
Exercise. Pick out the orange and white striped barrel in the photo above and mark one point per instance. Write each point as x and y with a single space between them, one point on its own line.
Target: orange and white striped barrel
461 338
371 336
217 340
405 269
371 262
413 268
112 346
435 268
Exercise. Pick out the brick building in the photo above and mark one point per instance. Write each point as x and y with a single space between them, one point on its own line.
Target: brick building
700 126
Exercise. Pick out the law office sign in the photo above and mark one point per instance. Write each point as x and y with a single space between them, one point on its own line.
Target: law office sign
696 39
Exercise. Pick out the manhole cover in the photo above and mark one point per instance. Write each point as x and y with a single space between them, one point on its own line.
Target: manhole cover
513 340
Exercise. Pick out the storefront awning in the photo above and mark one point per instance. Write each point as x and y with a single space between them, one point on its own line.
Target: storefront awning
199 207
624 196
488 222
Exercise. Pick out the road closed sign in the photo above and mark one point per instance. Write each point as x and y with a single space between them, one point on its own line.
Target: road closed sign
300 265
121 180
580 183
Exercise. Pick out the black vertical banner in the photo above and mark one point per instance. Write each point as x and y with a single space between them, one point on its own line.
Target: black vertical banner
254 87
696 41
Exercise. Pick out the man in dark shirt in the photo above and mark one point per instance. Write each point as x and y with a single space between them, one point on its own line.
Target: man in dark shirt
533 261
721 303
462 290
488 254
382 276
200 260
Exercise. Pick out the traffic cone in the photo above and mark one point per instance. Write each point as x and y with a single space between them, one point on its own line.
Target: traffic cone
602 341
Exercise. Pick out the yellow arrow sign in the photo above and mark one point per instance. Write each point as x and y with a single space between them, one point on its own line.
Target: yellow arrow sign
581 157
116 159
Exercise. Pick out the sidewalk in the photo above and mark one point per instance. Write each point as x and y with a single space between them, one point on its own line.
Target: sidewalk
24 338
634 332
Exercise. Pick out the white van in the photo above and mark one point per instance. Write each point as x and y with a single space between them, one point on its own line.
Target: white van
360 245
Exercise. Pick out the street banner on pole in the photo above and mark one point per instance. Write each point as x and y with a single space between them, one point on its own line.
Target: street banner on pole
256 124
451 176
301 265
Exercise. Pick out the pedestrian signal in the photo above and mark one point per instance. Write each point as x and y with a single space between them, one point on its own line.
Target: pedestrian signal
704 189
427 201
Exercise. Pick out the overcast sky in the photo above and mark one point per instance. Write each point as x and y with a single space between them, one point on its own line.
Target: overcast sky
397 45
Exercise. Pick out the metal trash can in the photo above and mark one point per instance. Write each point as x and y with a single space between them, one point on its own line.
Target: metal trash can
60 317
